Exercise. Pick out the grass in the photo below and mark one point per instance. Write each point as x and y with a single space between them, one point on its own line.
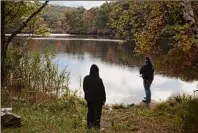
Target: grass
68 115
139 119
53 116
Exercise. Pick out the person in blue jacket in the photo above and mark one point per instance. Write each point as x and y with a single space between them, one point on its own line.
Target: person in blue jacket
147 73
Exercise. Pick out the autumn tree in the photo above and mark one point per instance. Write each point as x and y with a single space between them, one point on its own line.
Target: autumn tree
73 21
152 22
88 17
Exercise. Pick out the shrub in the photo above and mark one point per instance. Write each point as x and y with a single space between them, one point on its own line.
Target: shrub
189 114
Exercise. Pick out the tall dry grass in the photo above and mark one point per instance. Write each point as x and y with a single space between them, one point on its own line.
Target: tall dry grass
32 75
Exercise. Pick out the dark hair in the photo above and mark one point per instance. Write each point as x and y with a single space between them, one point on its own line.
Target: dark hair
94 70
148 60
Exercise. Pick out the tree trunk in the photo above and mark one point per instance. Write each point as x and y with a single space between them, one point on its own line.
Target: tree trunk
3 41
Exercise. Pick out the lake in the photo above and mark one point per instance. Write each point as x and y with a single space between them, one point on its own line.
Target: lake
118 67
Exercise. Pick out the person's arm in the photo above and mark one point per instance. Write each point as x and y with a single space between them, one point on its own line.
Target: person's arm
141 70
103 92
153 71
84 85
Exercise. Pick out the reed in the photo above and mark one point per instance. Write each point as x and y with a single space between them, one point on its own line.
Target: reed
30 74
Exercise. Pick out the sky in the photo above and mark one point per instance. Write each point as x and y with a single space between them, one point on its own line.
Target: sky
85 4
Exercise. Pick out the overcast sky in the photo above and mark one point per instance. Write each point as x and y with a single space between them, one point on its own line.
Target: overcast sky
85 4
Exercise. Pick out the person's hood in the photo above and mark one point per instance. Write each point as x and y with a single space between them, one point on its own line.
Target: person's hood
94 70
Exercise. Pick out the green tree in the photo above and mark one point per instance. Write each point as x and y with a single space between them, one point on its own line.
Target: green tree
15 14
102 15
74 20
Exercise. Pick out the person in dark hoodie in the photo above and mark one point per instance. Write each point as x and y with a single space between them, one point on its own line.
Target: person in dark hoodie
147 73
95 96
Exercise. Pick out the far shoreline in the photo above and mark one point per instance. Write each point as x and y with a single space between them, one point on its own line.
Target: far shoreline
85 37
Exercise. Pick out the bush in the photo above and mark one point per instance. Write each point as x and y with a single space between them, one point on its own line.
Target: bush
189 114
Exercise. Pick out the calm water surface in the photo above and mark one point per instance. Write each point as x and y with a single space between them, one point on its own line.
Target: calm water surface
118 67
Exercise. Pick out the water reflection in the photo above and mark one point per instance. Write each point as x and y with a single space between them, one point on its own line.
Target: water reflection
118 69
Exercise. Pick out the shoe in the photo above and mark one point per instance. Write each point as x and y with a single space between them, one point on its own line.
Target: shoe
146 101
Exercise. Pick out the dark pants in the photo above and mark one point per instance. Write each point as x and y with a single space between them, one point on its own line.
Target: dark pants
147 85
94 115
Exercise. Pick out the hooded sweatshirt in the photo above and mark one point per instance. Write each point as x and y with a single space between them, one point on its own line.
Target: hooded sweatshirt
93 87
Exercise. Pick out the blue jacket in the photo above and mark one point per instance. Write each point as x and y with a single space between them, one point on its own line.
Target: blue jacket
147 71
